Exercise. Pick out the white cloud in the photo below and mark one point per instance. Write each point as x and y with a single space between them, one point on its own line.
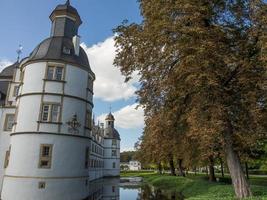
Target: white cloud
109 84
4 63
127 117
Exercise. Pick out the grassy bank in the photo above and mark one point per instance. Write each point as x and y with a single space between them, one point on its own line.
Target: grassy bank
198 187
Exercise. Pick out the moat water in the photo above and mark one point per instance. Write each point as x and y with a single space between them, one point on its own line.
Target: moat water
128 189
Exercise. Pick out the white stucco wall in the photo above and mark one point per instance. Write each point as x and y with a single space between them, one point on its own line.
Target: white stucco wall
109 159
68 170
67 176
23 173
4 140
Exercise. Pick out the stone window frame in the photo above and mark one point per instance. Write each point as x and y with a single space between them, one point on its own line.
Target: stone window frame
15 90
45 158
50 111
7 157
88 119
54 68
113 152
90 83
87 157
21 77
114 142
6 128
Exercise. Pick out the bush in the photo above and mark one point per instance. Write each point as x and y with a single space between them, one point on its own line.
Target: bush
258 172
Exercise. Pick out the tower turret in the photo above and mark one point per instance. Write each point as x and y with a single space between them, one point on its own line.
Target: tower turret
50 143
112 148
110 120
65 21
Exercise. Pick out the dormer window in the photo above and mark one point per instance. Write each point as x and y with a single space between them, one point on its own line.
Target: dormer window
66 50
55 73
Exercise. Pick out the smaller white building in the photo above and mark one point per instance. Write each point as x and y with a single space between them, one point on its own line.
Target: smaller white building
135 165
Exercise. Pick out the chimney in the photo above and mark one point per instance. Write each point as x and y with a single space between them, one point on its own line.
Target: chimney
76 44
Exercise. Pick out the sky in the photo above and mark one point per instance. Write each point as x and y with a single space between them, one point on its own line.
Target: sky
26 22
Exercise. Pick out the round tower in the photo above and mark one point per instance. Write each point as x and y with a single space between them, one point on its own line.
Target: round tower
50 142
112 148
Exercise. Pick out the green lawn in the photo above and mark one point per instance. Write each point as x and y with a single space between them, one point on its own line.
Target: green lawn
198 187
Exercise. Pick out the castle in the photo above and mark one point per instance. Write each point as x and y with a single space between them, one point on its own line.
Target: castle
50 147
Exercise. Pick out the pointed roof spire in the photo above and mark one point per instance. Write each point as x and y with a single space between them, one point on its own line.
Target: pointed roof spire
110 108
67 3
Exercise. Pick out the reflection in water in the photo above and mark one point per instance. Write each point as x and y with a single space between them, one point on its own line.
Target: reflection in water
116 189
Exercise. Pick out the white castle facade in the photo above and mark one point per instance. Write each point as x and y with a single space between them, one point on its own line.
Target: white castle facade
49 146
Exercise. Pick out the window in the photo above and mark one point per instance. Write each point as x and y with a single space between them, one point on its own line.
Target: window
54 73
114 153
45 156
50 73
88 119
114 142
16 91
50 112
93 147
7 157
21 76
114 165
59 73
90 83
87 157
55 113
9 122
66 50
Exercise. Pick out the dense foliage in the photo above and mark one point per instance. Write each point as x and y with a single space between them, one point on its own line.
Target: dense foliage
202 67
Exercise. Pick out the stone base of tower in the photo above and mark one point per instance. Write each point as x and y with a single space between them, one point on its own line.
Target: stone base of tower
66 178
111 169
15 188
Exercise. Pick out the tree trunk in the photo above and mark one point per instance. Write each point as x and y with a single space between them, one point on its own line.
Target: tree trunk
180 168
246 168
211 170
172 167
222 170
159 168
241 186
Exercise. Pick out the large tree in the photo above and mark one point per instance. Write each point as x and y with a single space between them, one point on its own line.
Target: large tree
204 61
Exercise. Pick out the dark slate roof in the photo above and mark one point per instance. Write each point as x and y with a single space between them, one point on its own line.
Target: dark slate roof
5 77
51 49
111 133
9 71
110 117
4 87
68 9
3 91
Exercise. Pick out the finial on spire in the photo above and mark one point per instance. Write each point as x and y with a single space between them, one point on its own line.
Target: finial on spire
68 2
19 52
110 108
93 119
